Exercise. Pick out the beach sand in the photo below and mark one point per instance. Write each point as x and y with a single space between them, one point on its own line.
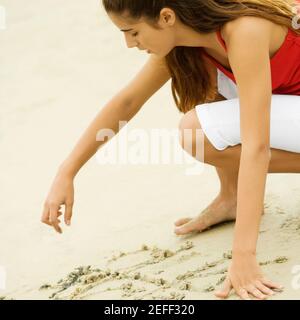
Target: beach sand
60 64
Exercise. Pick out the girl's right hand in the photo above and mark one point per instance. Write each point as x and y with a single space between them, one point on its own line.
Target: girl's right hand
61 193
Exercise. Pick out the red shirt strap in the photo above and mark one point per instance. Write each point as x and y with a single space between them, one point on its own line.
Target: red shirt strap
221 39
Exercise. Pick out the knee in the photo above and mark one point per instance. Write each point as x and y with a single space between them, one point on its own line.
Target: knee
191 135
189 121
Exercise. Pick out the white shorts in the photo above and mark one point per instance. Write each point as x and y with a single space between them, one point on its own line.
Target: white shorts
220 121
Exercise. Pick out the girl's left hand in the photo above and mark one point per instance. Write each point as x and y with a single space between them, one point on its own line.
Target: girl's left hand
244 276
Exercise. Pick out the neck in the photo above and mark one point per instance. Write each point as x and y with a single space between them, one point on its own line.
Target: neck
188 37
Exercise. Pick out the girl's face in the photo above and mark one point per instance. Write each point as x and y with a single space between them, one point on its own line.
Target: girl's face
143 36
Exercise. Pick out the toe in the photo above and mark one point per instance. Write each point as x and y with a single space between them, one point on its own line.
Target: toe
187 227
182 221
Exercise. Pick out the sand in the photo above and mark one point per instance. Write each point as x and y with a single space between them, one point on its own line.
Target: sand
60 63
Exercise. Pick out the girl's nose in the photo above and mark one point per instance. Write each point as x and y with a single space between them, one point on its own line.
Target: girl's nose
131 43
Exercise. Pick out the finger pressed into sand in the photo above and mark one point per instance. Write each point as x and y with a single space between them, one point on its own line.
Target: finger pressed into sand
271 284
225 291
264 289
255 292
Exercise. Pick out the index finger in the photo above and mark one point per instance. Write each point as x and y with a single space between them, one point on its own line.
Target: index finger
243 293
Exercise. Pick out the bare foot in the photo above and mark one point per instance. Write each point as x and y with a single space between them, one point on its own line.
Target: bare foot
220 210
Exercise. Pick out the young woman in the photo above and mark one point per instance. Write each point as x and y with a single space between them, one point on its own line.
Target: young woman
245 51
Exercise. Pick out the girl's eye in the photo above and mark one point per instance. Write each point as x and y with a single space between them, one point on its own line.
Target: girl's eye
135 34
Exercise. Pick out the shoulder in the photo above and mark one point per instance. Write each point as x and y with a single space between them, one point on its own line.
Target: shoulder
247 27
248 42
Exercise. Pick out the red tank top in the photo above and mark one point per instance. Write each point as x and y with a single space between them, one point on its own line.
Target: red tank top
285 65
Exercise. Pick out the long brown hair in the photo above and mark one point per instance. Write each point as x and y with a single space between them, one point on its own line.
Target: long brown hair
191 83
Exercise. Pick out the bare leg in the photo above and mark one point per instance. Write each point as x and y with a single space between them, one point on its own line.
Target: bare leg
223 208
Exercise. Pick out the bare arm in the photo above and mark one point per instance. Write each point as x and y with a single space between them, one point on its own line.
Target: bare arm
109 117
123 107
248 53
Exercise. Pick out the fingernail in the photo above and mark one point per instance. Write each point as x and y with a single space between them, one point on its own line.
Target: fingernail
68 222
